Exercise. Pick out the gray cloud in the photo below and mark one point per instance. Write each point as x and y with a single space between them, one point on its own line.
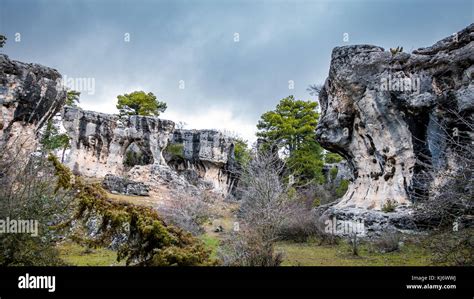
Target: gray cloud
228 84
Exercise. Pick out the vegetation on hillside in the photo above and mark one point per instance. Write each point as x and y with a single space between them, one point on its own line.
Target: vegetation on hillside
148 240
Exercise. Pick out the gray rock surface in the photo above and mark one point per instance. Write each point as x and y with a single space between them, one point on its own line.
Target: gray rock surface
343 172
119 185
208 156
30 94
104 143
384 112
369 224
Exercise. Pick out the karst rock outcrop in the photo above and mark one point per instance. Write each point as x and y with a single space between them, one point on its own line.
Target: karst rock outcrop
30 94
104 144
391 114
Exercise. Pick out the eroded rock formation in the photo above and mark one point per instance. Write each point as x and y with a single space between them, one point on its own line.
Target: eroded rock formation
30 94
137 146
119 185
207 155
103 143
390 115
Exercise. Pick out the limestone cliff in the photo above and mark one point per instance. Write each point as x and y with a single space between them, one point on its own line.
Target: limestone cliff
209 154
390 114
30 94
104 144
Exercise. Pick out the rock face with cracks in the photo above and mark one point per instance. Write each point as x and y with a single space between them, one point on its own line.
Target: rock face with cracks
389 116
30 95
207 155
104 144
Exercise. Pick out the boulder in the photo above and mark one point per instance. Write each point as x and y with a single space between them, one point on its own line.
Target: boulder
119 185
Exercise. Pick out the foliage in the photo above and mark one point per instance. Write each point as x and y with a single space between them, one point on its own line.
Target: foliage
52 140
249 248
332 158
291 127
187 212
140 103
301 226
72 98
27 193
241 151
306 164
396 50
453 248
342 188
175 150
389 206
149 240
333 173
133 158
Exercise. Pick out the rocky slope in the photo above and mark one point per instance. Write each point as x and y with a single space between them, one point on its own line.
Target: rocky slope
390 115
30 94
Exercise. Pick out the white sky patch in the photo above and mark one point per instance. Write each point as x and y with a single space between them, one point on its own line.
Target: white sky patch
218 118
221 119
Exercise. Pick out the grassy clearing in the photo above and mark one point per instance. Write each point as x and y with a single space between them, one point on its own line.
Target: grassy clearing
74 254
211 243
312 254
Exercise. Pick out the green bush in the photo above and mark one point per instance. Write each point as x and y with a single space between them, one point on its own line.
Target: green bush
27 192
241 152
342 188
175 150
332 158
333 173
389 206
149 242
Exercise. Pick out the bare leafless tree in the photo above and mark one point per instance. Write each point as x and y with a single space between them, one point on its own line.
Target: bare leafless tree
444 195
27 193
187 211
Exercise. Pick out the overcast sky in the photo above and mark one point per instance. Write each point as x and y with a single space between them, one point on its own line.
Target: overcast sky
234 58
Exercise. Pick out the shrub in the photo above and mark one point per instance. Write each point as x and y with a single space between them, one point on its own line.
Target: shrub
187 212
175 150
452 248
389 206
132 159
388 242
27 193
149 240
332 158
333 173
248 248
342 188
299 226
